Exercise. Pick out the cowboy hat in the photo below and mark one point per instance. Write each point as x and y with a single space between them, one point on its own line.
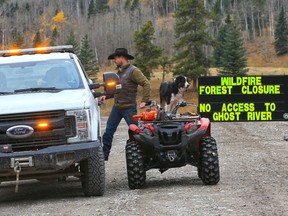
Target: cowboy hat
121 52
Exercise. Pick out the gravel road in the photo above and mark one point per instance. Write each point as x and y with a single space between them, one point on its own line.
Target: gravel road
254 181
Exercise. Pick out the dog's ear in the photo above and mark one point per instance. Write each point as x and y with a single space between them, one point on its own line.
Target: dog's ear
179 81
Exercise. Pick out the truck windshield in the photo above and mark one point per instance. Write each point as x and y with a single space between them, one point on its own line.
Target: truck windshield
49 74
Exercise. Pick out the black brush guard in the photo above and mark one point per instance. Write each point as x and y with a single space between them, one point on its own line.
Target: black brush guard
169 138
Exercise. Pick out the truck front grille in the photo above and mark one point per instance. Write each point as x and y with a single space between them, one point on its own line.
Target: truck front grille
60 128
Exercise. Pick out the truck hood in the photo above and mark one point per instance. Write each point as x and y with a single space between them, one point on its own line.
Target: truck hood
43 101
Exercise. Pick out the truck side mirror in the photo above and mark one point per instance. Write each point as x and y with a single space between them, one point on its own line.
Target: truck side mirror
111 83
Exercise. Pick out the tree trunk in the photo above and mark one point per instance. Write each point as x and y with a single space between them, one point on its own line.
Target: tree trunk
246 23
271 22
259 24
253 24
163 74
235 5
194 85
153 9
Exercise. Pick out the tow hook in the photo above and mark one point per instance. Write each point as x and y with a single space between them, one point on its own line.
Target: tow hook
171 155
17 163
17 170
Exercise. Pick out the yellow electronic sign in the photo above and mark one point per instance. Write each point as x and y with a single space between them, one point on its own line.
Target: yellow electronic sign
243 98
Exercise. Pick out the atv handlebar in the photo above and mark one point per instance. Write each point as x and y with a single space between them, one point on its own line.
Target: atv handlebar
151 103
155 112
181 104
156 109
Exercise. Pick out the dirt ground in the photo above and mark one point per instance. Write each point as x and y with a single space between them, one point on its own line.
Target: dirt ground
254 181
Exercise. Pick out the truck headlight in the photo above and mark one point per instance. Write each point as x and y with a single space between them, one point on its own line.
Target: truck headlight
83 125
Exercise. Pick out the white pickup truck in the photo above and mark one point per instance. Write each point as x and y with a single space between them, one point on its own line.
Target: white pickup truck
50 119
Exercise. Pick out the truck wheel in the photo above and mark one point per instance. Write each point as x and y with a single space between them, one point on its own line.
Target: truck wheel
135 165
208 169
93 177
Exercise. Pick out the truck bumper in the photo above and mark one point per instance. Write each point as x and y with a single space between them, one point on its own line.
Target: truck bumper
51 158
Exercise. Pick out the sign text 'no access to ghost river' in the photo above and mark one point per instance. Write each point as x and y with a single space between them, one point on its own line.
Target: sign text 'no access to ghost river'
243 98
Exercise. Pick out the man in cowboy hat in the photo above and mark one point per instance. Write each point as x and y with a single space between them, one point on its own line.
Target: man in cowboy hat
125 103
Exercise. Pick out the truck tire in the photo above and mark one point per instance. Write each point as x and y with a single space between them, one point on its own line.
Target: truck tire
135 166
208 169
93 177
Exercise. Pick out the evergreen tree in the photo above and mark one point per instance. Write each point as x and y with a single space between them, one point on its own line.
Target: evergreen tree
71 40
147 54
101 6
220 41
127 5
2 1
191 36
281 34
87 57
27 7
18 41
54 37
217 15
91 9
218 51
37 41
233 59
135 5
217 7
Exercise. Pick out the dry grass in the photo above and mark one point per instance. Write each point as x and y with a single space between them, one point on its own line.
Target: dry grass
261 53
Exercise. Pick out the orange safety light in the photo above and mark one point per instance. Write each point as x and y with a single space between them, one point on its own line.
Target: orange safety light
41 48
111 83
14 51
43 125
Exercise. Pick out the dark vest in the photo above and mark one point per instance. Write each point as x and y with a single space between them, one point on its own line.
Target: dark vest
128 94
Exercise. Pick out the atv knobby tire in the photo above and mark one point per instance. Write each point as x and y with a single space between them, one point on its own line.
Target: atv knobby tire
135 165
208 169
93 174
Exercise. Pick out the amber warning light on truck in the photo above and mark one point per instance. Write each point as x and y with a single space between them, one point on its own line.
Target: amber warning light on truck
243 98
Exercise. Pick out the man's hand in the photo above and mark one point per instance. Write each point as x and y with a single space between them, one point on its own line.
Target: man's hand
102 99
142 105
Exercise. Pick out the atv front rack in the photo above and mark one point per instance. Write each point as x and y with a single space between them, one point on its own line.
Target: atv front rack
176 119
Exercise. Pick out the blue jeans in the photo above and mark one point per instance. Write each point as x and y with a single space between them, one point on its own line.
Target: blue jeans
114 119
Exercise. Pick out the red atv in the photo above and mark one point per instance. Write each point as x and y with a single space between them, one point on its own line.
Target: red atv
164 140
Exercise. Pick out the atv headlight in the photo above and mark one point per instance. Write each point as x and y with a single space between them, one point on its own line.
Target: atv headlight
82 119
148 132
191 128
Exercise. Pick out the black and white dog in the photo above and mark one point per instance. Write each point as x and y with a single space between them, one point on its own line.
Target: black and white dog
171 93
